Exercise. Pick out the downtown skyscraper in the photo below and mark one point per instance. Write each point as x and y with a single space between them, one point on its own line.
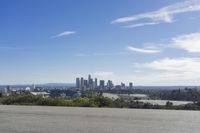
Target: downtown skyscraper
92 84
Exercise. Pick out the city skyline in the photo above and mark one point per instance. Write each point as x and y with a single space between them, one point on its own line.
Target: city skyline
57 41
90 83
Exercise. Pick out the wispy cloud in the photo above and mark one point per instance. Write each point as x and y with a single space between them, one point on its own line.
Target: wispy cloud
163 15
188 42
147 50
140 25
65 33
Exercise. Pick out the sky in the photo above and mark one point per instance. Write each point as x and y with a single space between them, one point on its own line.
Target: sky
147 42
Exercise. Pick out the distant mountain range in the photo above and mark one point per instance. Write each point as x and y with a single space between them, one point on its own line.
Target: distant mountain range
67 85
165 87
57 84
41 85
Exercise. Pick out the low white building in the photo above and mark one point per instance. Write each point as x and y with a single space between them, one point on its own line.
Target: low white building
125 96
111 96
133 96
41 93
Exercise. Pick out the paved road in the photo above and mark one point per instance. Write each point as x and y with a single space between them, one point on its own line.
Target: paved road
34 119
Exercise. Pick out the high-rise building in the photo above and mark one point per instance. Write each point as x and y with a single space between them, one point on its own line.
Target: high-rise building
78 83
95 83
130 85
82 82
89 80
85 83
102 84
89 77
123 86
7 89
33 86
91 84
109 84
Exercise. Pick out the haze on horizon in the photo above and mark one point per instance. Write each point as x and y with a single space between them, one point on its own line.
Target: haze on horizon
57 41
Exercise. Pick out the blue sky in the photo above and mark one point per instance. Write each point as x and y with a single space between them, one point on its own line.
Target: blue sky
44 41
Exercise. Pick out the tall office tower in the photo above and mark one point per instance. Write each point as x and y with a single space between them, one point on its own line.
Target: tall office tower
82 82
89 78
109 84
95 83
123 86
85 84
77 82
33 86
7 89
90 82
91 85
102 84
130 85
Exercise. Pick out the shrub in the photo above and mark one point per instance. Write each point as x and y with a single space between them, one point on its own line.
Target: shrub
81 102
52 102
168 104
101 101
20 99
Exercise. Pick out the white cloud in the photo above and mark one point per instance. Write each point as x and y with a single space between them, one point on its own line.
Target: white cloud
139 25
103 73
177 64
65 33
170 71
146 50
163 15
188 42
